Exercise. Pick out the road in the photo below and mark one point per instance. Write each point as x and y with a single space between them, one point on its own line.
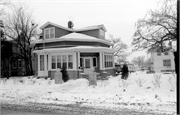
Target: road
54 109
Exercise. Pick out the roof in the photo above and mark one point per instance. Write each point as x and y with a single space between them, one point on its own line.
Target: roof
77 48
74 37
75 30
50 23
91 28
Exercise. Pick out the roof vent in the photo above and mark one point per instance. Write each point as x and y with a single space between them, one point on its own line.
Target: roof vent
70 24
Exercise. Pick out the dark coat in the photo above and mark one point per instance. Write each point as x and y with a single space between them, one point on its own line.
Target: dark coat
125 71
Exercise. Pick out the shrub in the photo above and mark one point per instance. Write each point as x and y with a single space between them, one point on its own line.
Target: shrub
156 81
140 82
172 81
32 81
125 84
21 81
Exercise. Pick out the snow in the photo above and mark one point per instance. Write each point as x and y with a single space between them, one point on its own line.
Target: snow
112 93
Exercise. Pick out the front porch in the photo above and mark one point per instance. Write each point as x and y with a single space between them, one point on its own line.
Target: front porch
77 60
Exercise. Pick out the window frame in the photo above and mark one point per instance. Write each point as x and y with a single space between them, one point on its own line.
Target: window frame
49 32
158 53
14 61
21 63
67 61
108 61
165 64
102 33
166 53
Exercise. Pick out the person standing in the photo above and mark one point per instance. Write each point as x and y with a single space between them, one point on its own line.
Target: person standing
125 72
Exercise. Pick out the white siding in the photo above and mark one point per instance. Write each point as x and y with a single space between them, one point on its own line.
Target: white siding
158 61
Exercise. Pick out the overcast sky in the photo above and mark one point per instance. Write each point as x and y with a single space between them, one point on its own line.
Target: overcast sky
118 16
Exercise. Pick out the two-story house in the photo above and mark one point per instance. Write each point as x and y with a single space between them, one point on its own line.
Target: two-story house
77 49
163 61
11 63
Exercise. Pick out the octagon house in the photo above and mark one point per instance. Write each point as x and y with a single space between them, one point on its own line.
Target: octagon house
77 49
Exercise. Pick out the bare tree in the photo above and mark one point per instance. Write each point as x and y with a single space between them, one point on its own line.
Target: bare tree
3 3
140 61
121 49
20 27
158 29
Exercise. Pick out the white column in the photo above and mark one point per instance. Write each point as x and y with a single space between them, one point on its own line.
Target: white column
113 60
49 62
100 60
75 61
103 66
50 59
38 62
45 63
78 58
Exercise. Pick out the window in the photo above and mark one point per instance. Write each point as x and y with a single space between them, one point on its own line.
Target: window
166 53
53 62
65 61
49 33
81 62
70 61
101 32
159 53
52 33
19 63
108 61
87 62
166 63
47 62
14 64
59 61
41 62
94 62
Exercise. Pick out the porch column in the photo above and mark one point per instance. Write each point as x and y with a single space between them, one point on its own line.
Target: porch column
38 62
78 60
103 66
45 62
100 60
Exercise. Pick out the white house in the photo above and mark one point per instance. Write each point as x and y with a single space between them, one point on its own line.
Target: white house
163 61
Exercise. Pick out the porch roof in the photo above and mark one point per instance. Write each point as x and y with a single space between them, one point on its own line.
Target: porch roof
73 37
76 49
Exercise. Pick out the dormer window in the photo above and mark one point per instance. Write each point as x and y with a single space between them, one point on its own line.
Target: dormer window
49 33
102 32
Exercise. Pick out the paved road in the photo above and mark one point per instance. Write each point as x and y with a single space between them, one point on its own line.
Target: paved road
52 109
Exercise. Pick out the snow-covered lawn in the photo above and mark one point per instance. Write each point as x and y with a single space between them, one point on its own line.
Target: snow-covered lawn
141 91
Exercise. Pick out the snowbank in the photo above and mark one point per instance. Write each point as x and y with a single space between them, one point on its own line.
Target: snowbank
141 91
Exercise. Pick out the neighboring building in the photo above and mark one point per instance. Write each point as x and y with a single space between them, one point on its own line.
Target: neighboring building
163 61
76 49
11 63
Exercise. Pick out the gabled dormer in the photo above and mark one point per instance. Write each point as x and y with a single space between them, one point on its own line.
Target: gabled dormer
97 31
51 30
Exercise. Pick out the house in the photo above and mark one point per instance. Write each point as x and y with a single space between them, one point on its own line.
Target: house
11 63
163 61
76 49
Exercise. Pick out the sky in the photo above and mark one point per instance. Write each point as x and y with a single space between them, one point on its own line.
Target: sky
118 16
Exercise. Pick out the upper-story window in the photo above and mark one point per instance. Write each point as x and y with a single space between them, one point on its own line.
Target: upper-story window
102 32
49 33
166 53
158 53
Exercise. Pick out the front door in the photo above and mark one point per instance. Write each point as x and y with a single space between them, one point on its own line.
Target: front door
87 64
42 65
